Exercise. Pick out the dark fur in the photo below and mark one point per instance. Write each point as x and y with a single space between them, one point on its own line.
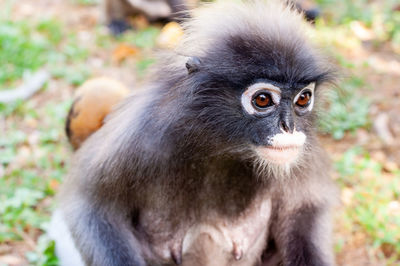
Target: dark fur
71 114
185 153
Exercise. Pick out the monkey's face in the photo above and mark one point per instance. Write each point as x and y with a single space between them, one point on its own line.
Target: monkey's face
258 93
278 115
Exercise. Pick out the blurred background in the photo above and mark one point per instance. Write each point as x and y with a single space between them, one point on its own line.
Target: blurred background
56 45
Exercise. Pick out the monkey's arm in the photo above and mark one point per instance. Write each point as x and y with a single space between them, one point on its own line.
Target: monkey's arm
303 236
103 236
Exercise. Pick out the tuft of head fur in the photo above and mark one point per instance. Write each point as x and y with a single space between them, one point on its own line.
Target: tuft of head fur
267 19
275 22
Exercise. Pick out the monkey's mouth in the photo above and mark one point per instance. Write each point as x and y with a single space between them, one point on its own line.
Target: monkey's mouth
279 154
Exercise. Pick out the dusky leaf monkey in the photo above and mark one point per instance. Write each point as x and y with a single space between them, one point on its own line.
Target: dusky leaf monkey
310 10
116 12
216 161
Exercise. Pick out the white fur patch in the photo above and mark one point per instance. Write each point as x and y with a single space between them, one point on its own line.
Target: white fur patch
286 139
285 148
310 87
65 248
247 96
229 18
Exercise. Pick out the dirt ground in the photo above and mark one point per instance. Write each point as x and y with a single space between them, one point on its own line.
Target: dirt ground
382 75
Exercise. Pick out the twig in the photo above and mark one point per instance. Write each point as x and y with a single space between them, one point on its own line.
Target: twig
27 89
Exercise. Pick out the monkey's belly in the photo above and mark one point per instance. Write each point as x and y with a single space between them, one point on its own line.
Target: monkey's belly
218 241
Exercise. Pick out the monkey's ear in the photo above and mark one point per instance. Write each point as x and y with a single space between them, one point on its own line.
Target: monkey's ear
193 64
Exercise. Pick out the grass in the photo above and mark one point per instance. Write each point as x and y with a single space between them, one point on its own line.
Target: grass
380 17
32 161
26 48
371 204
347 110
22 51
34 166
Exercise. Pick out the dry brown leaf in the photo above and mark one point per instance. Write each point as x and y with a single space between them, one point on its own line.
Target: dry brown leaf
54 184
123 51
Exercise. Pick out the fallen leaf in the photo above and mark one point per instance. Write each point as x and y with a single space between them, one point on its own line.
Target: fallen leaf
123 51
54 184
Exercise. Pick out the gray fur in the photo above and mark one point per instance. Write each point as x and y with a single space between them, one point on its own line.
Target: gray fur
173 174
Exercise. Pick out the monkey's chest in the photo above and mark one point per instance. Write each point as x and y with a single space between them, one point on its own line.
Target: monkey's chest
218 240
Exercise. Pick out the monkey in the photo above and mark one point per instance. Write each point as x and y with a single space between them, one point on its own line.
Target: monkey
216 160
92 102
311 12
116 12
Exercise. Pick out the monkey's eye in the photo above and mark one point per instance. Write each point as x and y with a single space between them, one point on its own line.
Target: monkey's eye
304 99
262 100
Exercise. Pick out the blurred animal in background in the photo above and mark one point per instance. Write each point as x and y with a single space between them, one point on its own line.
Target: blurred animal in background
91 104
117 12
308 8
216 161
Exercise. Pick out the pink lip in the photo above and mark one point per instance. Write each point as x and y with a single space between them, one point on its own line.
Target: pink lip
282 147
279 154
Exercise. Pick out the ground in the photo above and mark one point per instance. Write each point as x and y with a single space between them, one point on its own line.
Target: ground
360 127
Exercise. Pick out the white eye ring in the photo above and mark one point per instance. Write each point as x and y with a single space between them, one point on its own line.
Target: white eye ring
310 87
247 97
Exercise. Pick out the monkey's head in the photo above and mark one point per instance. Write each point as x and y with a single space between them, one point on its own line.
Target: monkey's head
255 80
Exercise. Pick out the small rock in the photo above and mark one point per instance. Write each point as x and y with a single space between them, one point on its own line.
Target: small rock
381 126
347 196
361 31
390 166
379 156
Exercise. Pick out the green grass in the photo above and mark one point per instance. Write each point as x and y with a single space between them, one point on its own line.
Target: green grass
374 206
379 16
32 168
86 2
25 48
347 110
22 51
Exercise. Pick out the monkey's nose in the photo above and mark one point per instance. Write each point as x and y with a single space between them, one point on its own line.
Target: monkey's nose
287 125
